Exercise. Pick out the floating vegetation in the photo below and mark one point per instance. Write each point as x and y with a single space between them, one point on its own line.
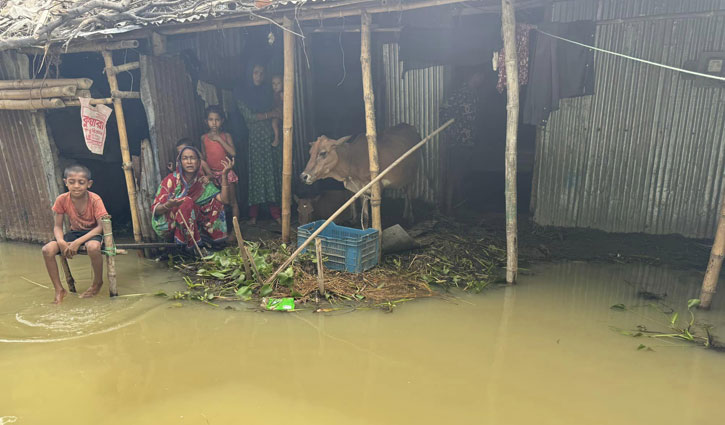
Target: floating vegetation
446 260
670 327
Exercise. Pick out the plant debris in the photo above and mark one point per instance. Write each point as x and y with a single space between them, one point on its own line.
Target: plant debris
446 260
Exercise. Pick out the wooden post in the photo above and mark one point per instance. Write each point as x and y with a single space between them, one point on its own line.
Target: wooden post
709 283
320 272
287 120
125 153
370 129
68 276
508 30
41 92
110 247
242 249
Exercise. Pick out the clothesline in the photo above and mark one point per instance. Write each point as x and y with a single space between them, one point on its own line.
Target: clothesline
699 74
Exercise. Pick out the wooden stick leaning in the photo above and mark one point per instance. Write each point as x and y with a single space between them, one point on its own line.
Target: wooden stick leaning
191 235
68 276
712 273
320 272
354 197
242 249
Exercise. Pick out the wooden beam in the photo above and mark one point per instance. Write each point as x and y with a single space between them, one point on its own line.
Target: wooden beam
309 15
370 126
116 94
508 30
81 83
96 46
31 104
287 121
125 153
24 94
103 101
123 68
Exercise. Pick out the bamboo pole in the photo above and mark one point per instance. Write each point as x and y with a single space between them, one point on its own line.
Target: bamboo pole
125 153
354 197
68 276
81 93
287 121
116 94
103 101
110 248
508 30
81 83
23 94
320 269
31 104
370 128
122 68
242 248
94 46
712 273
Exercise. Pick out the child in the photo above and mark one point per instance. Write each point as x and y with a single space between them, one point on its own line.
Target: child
84 210
217 146
278 102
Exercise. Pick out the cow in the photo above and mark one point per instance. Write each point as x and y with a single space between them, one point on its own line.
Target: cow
323 205
349 162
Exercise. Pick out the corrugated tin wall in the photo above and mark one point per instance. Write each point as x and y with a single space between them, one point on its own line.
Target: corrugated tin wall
172 108
28 166
646 152
415 98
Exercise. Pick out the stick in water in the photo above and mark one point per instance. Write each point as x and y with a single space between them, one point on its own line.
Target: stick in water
354 197
320 272
242 250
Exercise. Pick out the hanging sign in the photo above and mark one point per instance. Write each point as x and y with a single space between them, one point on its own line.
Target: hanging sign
93 120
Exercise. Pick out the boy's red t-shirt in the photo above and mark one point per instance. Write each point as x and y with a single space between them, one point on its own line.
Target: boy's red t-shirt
85 220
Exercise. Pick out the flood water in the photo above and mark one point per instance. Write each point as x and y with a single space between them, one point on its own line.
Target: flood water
541 352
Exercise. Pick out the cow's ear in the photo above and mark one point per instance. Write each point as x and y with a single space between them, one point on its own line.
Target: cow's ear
342 140
296 198
319 139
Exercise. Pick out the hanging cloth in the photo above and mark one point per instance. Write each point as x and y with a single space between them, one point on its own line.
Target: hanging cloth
522 57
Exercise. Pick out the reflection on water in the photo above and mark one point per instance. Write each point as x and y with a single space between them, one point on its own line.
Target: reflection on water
537 353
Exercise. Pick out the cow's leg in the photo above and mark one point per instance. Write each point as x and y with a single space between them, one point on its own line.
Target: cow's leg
408 206
365 212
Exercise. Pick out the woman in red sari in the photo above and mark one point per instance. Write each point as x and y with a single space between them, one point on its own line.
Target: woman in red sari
185 199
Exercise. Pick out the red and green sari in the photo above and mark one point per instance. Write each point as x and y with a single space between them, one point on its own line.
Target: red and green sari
201 210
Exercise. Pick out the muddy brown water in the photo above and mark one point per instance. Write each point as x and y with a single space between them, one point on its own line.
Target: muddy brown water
541 352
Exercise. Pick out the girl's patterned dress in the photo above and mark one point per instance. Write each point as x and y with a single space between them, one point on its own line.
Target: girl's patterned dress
265 160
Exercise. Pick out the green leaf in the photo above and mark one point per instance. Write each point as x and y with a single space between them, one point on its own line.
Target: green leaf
244 291
218 275
693 303
266 290
287 277
295 294
618 307
673 319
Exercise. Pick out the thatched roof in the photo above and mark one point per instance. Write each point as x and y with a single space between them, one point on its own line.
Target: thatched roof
25 23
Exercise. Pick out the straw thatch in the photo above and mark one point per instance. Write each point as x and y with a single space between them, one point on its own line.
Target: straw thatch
26 23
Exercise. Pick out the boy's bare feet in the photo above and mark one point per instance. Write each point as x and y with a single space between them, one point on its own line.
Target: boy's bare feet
59 296
92 291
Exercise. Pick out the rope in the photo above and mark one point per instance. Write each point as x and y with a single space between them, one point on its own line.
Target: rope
685 71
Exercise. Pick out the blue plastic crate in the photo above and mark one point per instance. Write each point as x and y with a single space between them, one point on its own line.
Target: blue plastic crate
345 248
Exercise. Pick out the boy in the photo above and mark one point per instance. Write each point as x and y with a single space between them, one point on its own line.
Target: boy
84 210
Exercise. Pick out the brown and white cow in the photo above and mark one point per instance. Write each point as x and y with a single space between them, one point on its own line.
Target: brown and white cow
349 162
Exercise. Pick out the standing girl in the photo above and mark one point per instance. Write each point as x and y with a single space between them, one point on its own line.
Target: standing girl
256 104
217 146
